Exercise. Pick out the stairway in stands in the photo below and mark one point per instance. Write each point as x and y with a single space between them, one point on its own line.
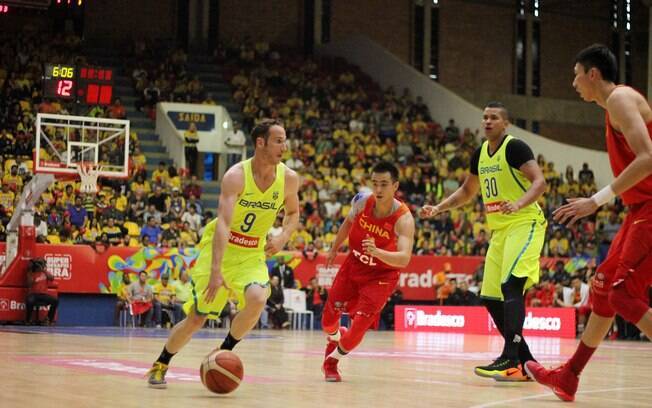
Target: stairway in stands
150 143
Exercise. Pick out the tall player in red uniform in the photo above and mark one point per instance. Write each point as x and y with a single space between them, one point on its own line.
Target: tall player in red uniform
622 280
380 229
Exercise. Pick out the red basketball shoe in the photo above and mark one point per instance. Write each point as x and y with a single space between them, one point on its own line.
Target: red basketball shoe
561 380
331 373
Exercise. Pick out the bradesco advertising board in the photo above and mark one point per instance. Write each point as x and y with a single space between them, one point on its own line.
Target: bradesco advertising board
551 322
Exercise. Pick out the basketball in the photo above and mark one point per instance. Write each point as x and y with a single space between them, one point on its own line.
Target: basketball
221 371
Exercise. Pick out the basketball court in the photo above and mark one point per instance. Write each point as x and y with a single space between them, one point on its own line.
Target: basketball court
98 367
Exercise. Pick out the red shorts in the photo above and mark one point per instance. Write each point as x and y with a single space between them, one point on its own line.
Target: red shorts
629 261
356 289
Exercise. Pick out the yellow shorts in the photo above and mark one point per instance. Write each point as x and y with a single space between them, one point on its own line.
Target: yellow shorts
239 273
514 250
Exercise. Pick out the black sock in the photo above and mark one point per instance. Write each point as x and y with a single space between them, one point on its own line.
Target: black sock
496 309
229 342
165 356
514 312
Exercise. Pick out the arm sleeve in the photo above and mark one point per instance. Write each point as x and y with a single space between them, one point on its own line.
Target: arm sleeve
475 160
518 153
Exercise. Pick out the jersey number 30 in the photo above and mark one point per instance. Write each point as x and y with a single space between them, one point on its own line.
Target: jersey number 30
248 222
491 187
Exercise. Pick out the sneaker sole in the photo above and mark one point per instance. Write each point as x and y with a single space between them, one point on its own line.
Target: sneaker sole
484 374
501 378
333 379
158 386
560 394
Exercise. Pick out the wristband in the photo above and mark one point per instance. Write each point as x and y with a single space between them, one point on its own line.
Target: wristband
603 196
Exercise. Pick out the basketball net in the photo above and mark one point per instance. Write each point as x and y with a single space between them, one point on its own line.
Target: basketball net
88 173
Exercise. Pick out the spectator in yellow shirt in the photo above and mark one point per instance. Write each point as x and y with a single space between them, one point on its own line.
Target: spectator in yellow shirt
160 176
164 299
300 237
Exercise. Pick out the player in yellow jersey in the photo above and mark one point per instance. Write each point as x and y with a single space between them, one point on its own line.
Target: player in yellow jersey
233 247
503 169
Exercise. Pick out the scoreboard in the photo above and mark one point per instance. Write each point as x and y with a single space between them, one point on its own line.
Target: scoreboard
86 84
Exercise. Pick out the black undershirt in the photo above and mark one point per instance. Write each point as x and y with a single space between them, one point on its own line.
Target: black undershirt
517 154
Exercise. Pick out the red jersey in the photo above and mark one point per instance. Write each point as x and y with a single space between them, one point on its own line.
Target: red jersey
39 283
620 155
380 229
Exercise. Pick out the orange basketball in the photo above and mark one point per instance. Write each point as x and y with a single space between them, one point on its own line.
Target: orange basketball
221 371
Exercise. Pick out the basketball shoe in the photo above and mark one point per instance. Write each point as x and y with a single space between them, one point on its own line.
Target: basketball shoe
502 369
561 380
329 368
157 375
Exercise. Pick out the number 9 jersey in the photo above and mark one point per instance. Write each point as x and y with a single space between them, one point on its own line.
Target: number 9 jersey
502 181
243 262
253 215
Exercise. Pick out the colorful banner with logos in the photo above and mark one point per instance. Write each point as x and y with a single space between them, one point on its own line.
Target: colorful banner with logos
81 269
548 322
204 121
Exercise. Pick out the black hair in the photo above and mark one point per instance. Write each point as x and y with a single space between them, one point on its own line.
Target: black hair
498 105
600 57
262 129
386 167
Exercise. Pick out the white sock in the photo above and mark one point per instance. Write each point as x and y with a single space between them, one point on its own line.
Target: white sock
336 354
335 337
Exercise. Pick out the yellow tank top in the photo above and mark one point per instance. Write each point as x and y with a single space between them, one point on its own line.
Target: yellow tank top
499 182
253 215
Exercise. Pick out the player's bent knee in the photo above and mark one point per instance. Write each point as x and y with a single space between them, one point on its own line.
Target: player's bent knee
630 307
256 296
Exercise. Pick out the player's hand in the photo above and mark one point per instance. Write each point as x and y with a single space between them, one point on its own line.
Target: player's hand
576 208
508 208
428 211
330 257
215 282
369 246
273 245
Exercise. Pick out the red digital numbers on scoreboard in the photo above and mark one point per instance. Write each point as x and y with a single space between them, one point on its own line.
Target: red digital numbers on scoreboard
64 87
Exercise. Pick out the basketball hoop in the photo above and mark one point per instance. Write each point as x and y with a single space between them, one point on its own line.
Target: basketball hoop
88 173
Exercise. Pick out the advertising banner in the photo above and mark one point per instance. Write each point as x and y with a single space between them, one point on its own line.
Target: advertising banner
549 322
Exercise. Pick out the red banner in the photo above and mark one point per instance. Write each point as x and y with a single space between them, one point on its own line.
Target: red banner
549 322
76 268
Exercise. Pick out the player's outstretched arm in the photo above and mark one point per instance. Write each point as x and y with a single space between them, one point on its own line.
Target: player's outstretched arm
291 217
232 186
401 257
461 196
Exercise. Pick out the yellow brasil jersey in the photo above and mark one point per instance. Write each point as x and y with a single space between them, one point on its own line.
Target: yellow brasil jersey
501 182
253 215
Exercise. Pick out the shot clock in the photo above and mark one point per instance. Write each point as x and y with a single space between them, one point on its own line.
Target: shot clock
85 84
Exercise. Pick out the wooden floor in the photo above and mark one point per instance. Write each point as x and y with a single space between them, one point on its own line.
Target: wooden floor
104 367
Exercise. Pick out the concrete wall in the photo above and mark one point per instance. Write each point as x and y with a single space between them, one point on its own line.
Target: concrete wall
278 22
115 21
387 22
